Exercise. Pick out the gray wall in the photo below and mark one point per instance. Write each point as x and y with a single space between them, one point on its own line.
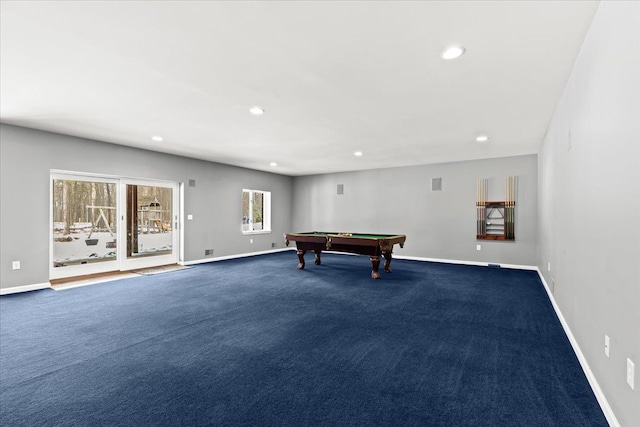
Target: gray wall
438 224
27 156
589 171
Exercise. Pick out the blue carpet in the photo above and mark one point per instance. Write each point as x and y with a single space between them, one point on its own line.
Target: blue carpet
256 342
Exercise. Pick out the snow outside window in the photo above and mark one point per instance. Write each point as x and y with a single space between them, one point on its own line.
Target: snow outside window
256 211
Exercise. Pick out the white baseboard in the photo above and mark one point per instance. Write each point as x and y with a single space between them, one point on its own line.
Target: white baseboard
602 400
25 288
222 258
456 261
47 285
411 258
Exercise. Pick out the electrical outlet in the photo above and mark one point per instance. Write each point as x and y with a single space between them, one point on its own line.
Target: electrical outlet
549 266
478 247
189 217
16 265
606 345
631 372
250 240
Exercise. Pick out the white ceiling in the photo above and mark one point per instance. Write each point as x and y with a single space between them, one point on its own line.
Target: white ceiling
333 77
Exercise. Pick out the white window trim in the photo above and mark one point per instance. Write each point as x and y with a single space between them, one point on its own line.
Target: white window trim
266 214
257 232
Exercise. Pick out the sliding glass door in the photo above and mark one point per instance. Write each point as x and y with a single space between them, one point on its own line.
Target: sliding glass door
105 224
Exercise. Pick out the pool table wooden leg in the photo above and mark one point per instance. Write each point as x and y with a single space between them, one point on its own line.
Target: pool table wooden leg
375 263
387 261
318 257
301 258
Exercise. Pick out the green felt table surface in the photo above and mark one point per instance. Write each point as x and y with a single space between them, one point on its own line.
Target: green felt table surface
354 235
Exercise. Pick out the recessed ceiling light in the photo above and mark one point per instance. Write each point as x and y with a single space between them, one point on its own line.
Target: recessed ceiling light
157 138
256 111
358 154
453 52
482 138
274 164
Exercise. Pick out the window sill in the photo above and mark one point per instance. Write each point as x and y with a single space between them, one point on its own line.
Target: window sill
256 232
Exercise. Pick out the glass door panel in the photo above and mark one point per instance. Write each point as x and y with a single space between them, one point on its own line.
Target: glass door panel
84 216
151 215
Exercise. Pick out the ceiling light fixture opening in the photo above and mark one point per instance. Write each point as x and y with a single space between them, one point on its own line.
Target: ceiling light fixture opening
482 138
157 138
256 111
453 52
358 153
273 164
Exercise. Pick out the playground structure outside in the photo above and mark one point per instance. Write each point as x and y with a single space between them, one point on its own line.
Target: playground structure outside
72 249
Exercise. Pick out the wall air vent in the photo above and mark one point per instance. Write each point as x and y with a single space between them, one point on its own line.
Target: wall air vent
436 184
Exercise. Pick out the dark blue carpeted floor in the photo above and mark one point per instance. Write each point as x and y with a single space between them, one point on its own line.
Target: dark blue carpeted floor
257 342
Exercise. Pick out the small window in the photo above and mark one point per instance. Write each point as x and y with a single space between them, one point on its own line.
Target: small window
256 211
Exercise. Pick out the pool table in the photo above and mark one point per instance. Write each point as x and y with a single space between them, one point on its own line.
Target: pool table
374 245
